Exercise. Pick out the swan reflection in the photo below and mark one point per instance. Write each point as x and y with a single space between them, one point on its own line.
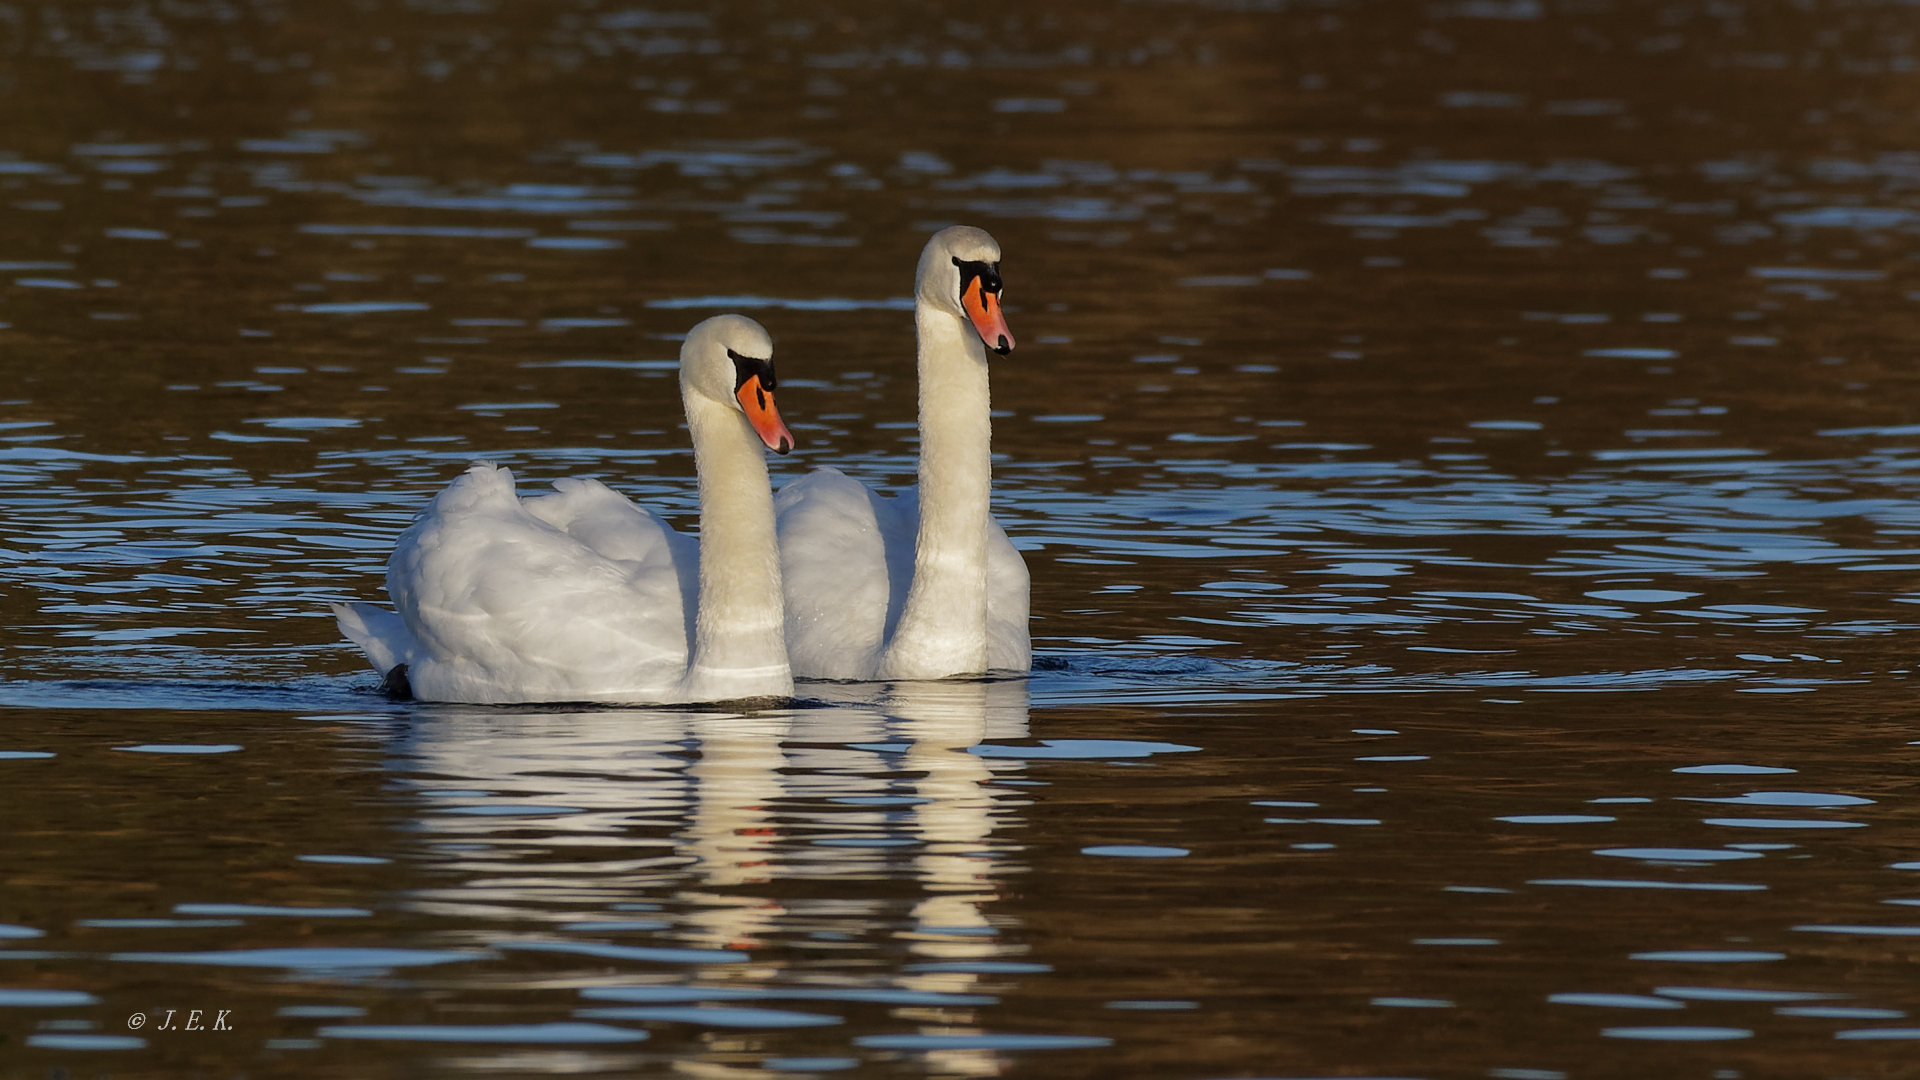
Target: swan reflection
742 835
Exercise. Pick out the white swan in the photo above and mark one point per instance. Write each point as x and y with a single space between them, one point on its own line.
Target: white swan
926 585
581 595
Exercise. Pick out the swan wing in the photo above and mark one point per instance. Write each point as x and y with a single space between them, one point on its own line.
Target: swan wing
504 606
605 520
846 561
620 529
1009 648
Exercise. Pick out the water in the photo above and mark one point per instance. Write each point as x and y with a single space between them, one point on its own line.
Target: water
1466 455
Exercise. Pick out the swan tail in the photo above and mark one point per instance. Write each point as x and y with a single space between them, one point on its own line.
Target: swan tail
379 633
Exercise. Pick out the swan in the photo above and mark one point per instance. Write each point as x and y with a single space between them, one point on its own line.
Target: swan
925 585
580 595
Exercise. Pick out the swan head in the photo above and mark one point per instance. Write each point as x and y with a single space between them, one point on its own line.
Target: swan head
729 359
960 274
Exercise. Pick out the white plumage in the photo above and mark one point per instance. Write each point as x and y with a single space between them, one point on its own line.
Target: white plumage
926 585
581 595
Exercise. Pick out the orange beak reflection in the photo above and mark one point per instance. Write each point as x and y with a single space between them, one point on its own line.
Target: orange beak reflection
983 308
757 400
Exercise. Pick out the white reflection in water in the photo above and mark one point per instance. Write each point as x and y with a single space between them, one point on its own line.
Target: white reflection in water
955 867
559 815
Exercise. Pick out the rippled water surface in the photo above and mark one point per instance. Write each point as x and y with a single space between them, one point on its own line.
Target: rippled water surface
1466 453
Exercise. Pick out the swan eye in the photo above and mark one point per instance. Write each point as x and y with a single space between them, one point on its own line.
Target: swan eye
747 367
987 273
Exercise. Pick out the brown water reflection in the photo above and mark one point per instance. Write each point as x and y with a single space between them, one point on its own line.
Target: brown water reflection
1400 386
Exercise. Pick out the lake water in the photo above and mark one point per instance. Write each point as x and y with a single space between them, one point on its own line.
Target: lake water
1466 453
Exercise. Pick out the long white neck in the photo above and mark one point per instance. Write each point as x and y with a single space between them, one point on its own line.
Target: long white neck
943 629
739 637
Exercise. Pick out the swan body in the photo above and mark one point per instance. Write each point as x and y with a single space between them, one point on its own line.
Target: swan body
580 595
925 585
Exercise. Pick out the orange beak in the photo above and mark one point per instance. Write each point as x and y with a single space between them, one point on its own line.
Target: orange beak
757 400
983 308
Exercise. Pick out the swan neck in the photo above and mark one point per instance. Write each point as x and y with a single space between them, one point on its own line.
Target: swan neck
739 634
943 629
